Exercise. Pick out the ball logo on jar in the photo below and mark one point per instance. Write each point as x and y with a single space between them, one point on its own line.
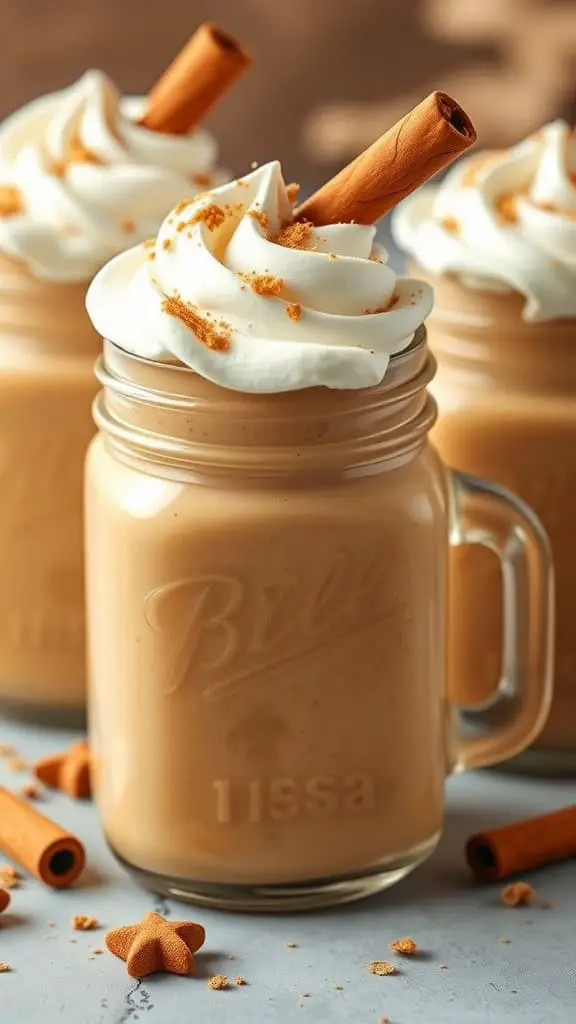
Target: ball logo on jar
228 632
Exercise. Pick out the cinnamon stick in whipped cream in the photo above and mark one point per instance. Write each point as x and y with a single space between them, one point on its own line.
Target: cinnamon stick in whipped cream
202 72
427 139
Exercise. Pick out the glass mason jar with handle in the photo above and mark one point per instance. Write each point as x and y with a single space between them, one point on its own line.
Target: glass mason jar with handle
47 352
266 607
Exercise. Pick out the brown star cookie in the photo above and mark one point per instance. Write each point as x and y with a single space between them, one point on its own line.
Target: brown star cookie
156 945
68 771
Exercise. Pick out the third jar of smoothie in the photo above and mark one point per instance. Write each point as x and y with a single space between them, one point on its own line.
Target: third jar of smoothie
497 240
267 539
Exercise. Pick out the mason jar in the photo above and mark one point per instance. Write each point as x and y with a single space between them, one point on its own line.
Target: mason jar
506 391
47 351
266 580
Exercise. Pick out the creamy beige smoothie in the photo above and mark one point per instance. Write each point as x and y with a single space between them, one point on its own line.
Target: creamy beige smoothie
80 180
496 240
266 537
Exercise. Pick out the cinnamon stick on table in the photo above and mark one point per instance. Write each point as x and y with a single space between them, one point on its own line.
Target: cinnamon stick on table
202 72
501 852
41 846
427 139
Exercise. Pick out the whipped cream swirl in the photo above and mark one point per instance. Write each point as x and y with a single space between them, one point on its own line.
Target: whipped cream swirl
83 179
503 221
251 301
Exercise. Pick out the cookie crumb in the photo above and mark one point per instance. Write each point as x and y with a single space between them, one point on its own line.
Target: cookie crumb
294 310
4 967
292 191
443 967
295 236
451 225
517 894
305 995
81 923
291 945
219 982
231 956
405 946
254 165
546 905
260 216
239 980
30 791
382 968
17 764
11 201
266 285
338 988
9 877
218 339
504 941
97 951
202 179
127 225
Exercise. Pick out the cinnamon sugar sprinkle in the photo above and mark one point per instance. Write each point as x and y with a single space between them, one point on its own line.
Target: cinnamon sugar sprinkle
477 165
266 285
79 153
127 225
392 301
259 215
202 179
215 336
167 243
211 215
293 191
294 310
295 236
507 208
451 224
11 201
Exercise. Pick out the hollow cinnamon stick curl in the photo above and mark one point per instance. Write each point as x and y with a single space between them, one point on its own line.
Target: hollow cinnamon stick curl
41 846
501 852
195 80
427 139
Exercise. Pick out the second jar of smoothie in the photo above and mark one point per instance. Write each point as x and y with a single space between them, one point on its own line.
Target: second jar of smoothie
497 240
79 181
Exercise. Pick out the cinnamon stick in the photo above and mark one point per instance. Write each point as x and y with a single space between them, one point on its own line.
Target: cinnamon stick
427 139
202 72
501 852
41 846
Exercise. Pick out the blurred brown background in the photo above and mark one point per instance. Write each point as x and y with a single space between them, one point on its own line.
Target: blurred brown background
330 74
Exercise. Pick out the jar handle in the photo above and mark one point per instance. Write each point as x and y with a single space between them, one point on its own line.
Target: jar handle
483 513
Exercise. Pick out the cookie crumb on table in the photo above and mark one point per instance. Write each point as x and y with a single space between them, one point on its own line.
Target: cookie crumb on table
291 945
30 791
405 946
9 877
4 967
517 894
218 982
382 968
81 923
239 980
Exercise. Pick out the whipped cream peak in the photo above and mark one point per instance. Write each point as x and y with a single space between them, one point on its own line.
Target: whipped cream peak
88 179
503 220
235 289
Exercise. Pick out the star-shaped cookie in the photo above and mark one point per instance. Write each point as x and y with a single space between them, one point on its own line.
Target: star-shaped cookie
156 945
68 771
